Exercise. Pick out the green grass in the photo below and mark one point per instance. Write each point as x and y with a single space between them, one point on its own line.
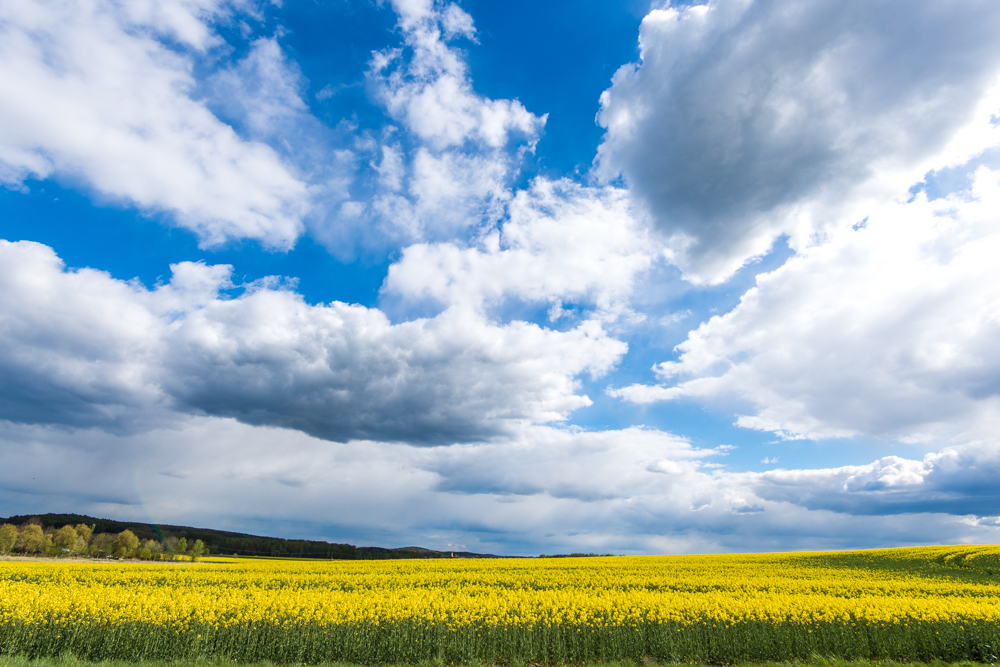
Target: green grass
412 643
68 660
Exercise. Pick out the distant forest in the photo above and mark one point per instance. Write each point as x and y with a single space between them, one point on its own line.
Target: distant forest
216 542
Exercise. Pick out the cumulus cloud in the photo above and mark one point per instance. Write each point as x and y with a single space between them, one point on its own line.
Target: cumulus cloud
541 490
103 93
83 349
344 372
749 119
77 357
561 243
887 330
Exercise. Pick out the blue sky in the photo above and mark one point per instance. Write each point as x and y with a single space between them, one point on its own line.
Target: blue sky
519 278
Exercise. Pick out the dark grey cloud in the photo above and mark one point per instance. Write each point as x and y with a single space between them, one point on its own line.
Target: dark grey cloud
343 372
745 120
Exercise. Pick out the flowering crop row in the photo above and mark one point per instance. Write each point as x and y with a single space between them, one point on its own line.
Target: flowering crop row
935 602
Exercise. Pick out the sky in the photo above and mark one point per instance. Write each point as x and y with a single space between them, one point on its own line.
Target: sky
516 278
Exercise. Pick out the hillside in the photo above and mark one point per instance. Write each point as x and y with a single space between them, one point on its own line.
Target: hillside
221 542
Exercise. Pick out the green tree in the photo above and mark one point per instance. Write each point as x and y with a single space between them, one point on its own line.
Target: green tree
182 546
126 544
102 544
8 538
31 539
153 547
83 534
170 546
81 547
65 539
197 550
84 531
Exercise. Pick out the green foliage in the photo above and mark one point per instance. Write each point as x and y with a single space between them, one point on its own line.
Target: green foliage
8 538
31 539
102 543
153 547
65 538
84 532
124 545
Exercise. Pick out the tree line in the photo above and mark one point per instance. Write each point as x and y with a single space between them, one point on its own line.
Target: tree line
32 538
227 543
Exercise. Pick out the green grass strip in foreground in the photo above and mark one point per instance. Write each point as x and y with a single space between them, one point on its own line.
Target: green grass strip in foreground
406 642
68 660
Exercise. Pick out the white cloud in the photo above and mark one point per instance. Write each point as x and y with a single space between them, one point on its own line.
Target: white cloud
561 243
445 193
83 349
103 93
431 93
749 119
78 356
889 330
958 480
262 92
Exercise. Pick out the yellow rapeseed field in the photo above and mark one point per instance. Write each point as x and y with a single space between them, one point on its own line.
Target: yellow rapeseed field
934 602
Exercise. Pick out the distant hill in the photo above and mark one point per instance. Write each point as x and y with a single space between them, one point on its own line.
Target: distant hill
225 543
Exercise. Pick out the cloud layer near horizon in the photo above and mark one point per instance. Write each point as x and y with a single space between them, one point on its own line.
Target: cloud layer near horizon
549 490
